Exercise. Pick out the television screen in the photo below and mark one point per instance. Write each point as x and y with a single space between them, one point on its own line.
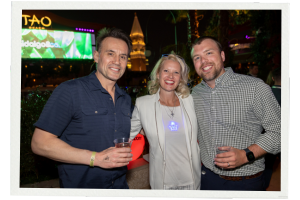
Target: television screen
56 44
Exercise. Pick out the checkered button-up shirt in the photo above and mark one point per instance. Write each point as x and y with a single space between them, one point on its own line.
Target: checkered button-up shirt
234 113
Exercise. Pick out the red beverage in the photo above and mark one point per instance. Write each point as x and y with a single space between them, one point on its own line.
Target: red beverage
123 145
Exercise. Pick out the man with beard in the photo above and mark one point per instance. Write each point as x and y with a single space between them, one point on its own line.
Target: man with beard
83 117
232 110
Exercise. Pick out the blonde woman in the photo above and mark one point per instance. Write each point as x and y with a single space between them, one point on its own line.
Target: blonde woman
168 119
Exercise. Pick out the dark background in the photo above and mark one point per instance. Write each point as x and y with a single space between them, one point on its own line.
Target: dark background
154 23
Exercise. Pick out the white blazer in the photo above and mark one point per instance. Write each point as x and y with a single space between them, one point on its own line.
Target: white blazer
147 114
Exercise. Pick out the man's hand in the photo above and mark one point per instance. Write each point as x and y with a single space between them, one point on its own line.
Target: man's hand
231 159
236 157
113 157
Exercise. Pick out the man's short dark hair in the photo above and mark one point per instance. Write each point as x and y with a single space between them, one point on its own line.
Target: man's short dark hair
253 65
115 33
200 39
276 74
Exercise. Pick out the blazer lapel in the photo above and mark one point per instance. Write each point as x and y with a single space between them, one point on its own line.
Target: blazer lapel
160 131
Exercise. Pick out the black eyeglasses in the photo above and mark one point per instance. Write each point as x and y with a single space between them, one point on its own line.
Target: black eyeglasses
166 55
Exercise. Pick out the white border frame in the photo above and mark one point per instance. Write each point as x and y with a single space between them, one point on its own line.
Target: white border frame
16 95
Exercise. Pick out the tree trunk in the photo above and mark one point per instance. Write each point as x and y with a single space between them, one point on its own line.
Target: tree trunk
223 31
189 30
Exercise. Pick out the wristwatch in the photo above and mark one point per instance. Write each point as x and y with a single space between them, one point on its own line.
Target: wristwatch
250 155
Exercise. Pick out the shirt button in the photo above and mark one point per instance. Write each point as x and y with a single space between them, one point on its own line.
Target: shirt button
115 113
203 172
115 130
112 182
96 112
109 98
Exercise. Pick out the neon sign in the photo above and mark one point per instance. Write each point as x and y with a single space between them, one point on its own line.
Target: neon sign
38 45
34 20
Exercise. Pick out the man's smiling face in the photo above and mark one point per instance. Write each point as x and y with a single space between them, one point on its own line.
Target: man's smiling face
112 59
208 61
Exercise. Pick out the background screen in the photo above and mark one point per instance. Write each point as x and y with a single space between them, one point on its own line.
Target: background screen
56 44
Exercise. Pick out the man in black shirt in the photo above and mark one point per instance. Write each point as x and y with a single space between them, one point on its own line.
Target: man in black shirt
83 117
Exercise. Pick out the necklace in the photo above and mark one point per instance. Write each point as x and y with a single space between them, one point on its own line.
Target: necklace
171 115
172 111
173 126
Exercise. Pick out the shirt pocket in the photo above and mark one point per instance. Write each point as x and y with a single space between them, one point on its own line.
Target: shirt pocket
93 116
126 112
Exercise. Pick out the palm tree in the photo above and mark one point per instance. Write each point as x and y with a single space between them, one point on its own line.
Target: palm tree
221 23
192 17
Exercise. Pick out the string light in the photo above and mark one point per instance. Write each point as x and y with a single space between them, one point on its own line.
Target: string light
85 30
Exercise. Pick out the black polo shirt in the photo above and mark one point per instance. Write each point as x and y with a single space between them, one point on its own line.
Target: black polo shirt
82 113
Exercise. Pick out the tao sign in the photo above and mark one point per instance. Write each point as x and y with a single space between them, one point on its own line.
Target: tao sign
34 19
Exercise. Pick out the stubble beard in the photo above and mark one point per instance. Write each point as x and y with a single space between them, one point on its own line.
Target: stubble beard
211 76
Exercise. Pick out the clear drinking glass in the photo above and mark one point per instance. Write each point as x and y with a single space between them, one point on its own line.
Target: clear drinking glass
123 142
218 151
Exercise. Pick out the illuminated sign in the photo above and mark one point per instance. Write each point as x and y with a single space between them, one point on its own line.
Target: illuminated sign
38 45
44 21
53 44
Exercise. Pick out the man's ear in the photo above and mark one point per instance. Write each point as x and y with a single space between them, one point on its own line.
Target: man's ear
96 56
223 56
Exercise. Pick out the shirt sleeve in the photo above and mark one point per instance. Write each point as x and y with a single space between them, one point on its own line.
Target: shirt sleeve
57 112
267 110
136 124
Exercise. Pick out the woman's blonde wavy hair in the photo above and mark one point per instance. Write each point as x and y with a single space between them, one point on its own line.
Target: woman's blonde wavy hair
182 89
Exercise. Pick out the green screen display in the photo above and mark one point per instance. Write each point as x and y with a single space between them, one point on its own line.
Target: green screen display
56 44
